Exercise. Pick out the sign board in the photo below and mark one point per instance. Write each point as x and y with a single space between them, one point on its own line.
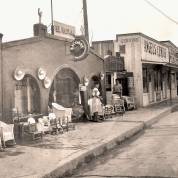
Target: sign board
130 82
79 48
64 30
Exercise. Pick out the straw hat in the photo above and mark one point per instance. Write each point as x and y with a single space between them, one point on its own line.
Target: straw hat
41 74
19 74
47 82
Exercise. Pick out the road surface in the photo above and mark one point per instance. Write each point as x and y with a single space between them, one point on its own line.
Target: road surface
154 153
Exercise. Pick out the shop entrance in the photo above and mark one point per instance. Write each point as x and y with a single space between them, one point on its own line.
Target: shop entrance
27 96
65 88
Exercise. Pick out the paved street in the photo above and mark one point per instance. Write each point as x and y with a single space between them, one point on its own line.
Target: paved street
154 154
56 155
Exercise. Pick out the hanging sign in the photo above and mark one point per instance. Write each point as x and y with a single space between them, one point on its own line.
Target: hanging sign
79 48
130 82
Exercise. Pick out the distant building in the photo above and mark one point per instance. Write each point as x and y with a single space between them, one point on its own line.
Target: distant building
114 68
153 64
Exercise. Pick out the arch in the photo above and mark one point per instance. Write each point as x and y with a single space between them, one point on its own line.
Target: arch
64 66
65 87
27 95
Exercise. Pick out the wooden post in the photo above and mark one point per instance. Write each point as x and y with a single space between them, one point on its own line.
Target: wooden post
52 22
85 17
1 79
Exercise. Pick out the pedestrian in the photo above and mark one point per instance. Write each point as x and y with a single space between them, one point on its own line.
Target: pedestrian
95 105
117 89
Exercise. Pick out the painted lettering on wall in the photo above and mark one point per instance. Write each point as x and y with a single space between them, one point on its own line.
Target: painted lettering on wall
129 40
154 49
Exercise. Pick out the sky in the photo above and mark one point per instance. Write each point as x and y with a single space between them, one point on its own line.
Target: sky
106 17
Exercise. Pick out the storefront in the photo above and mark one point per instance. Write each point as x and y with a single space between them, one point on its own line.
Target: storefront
153 64
114 67
41 70
148 59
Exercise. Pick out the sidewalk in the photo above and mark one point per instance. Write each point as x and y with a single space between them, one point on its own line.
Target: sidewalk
57 155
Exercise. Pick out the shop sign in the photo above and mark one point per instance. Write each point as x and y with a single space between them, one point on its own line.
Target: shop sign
130 82
129 40
79 48
154 49
64 30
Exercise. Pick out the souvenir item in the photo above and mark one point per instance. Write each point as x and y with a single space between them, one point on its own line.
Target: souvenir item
41 73
47 82
19 74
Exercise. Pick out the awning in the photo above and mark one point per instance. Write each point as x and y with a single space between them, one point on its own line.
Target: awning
153 62
164 63
171 65
124 74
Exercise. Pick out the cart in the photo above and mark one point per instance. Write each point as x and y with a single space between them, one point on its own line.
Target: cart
129 102
118 104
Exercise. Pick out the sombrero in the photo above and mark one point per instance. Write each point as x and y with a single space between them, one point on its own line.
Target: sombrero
41 74
19 73
47 82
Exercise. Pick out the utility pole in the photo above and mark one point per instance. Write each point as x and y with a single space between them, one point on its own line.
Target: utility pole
85 17
1 78
52 21
170 85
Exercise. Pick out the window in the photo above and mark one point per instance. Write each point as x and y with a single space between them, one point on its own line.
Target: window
122 49
145 80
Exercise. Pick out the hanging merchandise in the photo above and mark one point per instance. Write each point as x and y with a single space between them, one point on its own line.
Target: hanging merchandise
19 73
47 82
41 73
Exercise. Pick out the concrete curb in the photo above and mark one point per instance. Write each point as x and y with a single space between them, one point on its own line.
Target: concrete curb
69 164
161 115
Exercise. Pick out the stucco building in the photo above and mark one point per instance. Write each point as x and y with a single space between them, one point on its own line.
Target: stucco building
64 75
154 70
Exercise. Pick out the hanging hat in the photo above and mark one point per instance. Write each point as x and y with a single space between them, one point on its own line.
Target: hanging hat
41 73
47 82
19 73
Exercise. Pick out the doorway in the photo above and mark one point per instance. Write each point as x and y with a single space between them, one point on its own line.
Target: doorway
65 88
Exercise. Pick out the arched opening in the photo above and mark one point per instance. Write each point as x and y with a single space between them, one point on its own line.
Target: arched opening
27 96
65 88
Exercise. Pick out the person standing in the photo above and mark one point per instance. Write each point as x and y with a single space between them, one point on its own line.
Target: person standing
117 89
95 105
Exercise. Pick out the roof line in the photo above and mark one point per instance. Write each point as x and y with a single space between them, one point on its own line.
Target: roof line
33 40
169 42
107 41
94 53
140 34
